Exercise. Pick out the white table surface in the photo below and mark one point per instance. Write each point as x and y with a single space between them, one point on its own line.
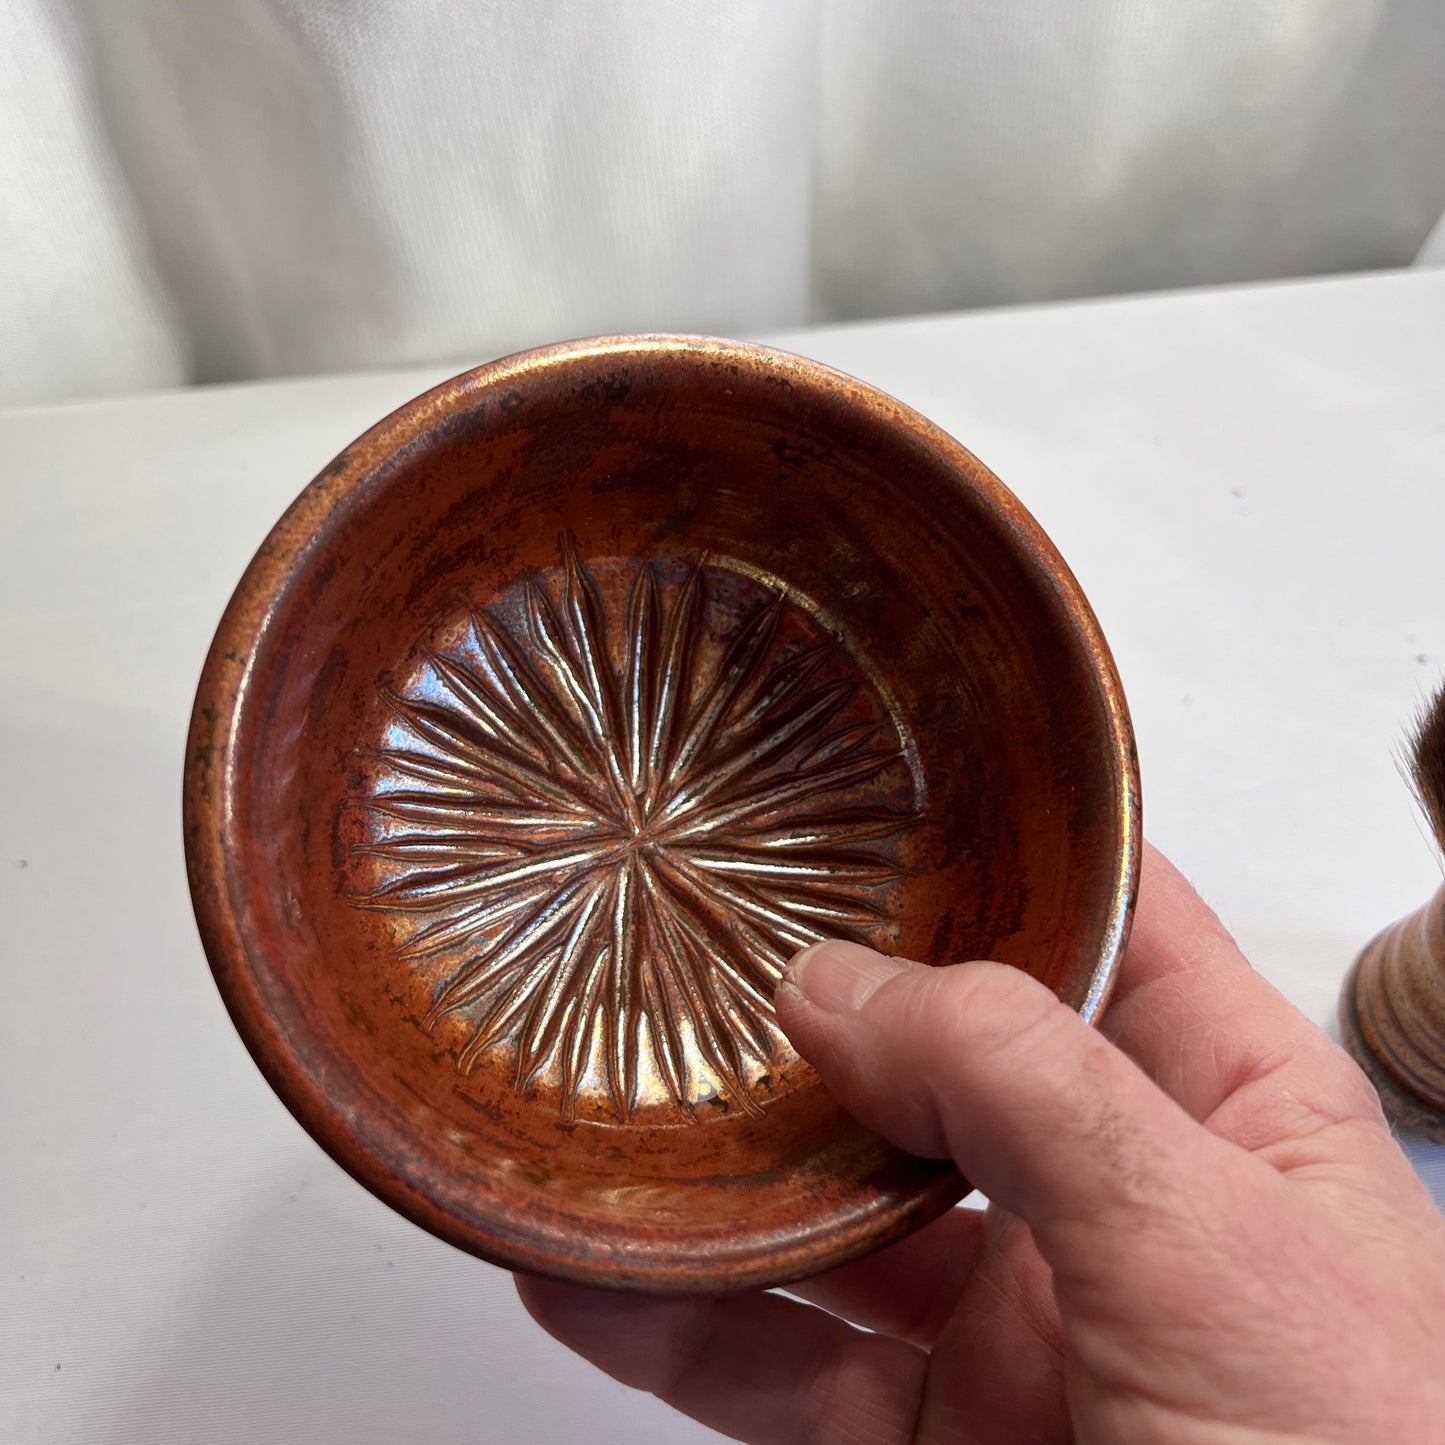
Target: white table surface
1250 485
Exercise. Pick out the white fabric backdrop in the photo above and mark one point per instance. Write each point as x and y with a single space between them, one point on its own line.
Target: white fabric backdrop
250 187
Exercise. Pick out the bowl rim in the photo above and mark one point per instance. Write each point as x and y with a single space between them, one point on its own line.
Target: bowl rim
209 784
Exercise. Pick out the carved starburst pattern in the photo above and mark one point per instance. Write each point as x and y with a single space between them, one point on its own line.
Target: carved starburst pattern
611 832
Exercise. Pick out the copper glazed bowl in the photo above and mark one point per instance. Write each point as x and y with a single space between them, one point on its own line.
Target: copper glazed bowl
557 713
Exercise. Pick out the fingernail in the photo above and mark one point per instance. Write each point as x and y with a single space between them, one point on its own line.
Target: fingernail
840 977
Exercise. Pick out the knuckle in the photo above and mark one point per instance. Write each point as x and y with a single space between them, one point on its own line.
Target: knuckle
1004 1008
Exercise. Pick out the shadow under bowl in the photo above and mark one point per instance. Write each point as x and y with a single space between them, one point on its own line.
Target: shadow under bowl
557 713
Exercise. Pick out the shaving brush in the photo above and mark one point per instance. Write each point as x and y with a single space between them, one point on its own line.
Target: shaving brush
1392 1008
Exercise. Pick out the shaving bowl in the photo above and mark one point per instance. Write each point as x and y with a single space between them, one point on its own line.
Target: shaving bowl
558 713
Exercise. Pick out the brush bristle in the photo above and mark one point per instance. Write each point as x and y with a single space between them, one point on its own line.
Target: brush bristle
1427 764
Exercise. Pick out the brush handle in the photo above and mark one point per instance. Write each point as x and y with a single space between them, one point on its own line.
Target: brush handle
1399 1000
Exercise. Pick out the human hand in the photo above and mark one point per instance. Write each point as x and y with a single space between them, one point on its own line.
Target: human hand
1200 1229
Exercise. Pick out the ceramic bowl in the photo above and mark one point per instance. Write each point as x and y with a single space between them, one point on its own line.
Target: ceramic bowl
566 705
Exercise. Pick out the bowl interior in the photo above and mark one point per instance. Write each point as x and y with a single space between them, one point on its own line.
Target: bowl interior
558 713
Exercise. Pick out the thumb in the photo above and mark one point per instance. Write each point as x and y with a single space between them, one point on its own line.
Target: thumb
981 1063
